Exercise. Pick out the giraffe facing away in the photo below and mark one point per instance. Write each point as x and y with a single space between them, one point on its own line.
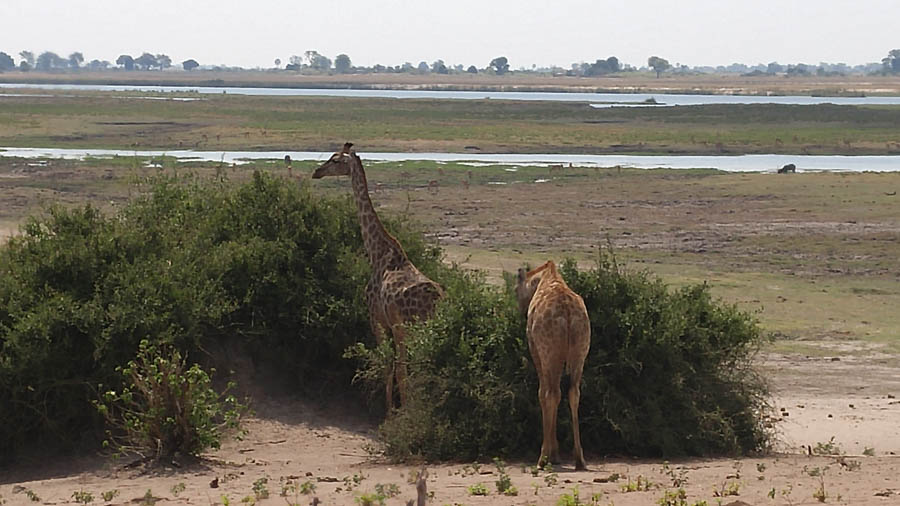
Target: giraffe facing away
559 337
397 293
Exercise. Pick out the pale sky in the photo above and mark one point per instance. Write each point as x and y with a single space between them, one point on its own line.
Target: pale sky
252 33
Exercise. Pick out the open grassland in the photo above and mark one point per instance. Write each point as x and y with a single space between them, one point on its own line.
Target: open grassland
229 122
813 254
631 82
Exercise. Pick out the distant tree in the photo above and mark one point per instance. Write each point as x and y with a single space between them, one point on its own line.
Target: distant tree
378 68
189 65
125 61
75 60
146 61
601 67
891 62
163 61
277 63
472 69
98 65
49 60
342 64
800 69
500 65
774 68
422 67
438 67
24 66
659 65
318 61
28 57
6 62
407 67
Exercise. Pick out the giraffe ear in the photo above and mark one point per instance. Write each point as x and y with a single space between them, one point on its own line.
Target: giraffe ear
522 273
347 146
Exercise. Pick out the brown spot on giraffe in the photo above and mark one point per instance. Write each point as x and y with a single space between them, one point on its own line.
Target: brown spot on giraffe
559 337
397 292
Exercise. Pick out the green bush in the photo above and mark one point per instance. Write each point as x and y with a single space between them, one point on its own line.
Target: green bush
188 263
165 407
668 374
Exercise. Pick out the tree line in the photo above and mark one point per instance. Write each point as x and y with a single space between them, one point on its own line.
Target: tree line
313 62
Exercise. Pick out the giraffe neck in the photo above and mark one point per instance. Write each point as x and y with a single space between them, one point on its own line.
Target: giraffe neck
381 247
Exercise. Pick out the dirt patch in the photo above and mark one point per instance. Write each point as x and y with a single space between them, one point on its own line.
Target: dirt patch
822 408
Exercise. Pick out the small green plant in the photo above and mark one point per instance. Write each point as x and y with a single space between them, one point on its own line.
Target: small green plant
109 495
819 493
260 489
307 487
728 489
249 499
83 497
352 482
761 467
226 501
370 499
478 489
570 499
829 448
387 491
32 495
148 499
640 485
178 488
869 451
166 407
551 479
504 483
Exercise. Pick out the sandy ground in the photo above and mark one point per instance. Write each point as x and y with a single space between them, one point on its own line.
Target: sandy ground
846 407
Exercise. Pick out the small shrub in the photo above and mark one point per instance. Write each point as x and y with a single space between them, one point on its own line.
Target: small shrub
387 491
109 495
83 497
829 448
260 489
478 489
166 407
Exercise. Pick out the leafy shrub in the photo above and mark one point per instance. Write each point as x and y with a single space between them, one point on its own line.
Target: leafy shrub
166 407
668 373
189 262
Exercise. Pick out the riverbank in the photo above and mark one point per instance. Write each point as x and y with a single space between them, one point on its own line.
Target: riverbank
618 83
128 121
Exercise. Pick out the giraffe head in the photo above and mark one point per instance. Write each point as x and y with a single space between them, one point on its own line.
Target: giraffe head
338 164
526 285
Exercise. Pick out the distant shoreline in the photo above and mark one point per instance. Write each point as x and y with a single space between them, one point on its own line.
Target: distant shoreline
716 84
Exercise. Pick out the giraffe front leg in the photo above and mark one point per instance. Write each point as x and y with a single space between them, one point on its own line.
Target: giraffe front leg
399 334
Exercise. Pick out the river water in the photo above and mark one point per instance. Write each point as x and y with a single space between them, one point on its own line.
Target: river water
741 163
595 99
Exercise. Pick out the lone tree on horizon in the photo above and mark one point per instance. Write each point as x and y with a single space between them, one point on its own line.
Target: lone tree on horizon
342 64
500 65
658 64
190 65
125 61
892 61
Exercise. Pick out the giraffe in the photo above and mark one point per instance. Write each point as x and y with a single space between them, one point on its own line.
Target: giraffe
559 337
397 293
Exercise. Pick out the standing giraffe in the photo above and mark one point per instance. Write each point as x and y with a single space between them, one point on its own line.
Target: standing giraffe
559 337
397 293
